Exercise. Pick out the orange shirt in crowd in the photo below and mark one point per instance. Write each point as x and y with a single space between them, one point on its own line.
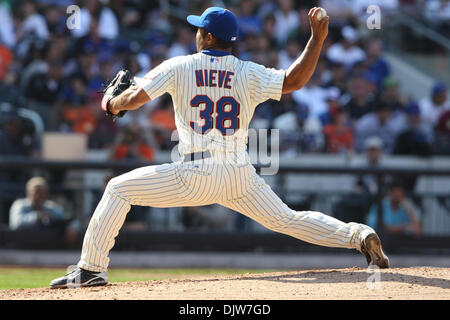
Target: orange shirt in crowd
144 150
82 119
6 58
164 119
338 139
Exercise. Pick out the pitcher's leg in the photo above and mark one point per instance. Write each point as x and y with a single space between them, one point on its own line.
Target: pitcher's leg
157 186
264 206
104 226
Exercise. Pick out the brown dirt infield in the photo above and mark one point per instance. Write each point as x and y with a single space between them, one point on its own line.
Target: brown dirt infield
349 283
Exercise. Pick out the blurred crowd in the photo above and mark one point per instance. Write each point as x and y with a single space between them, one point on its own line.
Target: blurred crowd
51 76
57 74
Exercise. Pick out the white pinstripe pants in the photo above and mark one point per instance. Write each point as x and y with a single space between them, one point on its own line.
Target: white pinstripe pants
202 182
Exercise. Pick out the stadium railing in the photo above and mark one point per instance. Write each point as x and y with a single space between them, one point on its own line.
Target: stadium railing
221 241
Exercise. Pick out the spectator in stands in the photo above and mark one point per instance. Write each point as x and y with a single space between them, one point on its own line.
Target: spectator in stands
103 133
361 100
313 95
333 101
91 55
249 22
9 88
382 123
339 134
263 44
56 48
107 27
442 134
74 91
340 10
93 42
289 54
131 145
6 59
7 33
34 23
83 66
162 122
56 19
303 32
368 183
133 13
36 211
76 114
45 87
437 13
347 51
337 77
300 131
432 107
390 94
417 137
399 216
268 29
248 48
15 138
378 68
286 19
105 73
183 44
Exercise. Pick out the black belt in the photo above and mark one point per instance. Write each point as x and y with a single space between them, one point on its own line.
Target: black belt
197 156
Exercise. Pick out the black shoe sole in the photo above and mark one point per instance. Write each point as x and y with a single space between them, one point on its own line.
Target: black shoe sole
79 285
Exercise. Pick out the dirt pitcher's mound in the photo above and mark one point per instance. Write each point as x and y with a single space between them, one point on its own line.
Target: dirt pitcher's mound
351 283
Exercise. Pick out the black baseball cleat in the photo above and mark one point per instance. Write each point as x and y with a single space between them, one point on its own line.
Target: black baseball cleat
371 248
80 278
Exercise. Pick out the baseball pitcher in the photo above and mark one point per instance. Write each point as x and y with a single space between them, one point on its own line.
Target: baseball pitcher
214 96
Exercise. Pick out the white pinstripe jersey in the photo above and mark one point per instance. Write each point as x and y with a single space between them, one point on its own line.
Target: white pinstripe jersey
214 97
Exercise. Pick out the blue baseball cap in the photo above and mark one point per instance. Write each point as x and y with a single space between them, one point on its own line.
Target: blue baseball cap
412 109
220 22
438 88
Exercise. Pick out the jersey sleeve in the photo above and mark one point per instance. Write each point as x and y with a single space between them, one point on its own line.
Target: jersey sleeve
159 80
264 83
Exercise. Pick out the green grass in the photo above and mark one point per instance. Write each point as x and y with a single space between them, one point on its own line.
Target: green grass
18 277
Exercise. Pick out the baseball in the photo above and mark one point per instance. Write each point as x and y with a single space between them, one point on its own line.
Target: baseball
321 14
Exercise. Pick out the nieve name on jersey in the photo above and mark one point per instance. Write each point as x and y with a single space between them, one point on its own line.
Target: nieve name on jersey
213 78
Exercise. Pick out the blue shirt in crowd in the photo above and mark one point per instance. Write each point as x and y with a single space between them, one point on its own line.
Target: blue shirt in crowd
391 217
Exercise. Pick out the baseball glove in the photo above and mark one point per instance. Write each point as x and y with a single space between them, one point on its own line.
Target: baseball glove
114 88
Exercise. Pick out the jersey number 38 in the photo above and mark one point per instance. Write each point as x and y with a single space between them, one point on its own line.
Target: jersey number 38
226 120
